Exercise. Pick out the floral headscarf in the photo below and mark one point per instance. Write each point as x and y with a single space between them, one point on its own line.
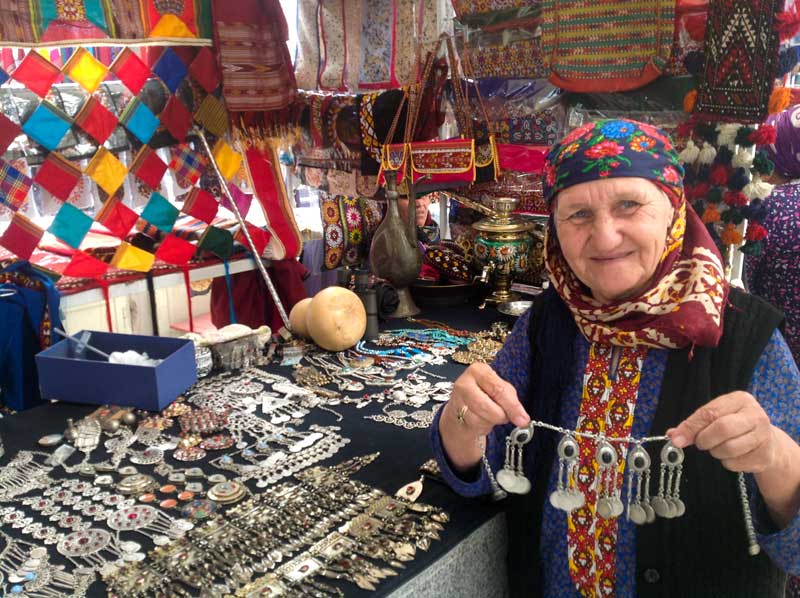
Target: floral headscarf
684 304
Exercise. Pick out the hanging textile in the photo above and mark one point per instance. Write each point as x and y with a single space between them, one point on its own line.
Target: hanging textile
333 45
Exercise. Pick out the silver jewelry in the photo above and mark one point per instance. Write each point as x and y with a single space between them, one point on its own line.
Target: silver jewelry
608 503
512 477
566 496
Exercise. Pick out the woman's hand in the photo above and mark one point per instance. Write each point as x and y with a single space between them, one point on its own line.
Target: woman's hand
735 429
480 401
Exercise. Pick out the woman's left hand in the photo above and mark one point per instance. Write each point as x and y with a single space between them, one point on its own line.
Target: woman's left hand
735 429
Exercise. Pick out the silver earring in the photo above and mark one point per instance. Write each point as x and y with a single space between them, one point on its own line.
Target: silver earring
667 503
638 486
609 504
512 477
566 496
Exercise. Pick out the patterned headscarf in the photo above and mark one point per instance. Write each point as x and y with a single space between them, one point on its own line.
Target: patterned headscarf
684 304
785 152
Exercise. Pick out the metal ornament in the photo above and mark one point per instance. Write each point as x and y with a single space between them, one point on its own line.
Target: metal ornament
512 477
668 503
567 497
609 504
639 509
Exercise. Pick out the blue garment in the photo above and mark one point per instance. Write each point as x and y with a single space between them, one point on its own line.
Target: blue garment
25 295
775 382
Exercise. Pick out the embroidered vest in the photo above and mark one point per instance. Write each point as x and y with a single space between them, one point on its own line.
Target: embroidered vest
702 554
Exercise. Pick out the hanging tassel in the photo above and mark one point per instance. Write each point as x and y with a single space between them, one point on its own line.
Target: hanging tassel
735 199
755 232
762 164
788 24
727 134
707 154
738 179
689 101
742 159
779 100
764 135
731 236
719 175
689 154
757 189
724 155
710 214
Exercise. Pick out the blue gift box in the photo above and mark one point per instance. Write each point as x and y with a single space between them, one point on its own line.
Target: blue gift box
84 377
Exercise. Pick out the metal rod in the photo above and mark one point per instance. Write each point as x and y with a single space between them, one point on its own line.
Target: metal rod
79 343
264 274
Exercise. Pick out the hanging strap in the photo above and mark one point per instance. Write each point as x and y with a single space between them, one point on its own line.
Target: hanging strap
229 286
107 299
188 287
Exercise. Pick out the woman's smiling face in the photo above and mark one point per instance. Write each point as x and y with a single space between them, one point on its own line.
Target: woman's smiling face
612 233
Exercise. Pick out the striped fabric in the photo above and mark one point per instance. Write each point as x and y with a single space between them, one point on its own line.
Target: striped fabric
14 186
187 165
606 45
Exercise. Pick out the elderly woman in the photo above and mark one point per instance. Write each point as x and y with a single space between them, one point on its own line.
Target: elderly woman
639 335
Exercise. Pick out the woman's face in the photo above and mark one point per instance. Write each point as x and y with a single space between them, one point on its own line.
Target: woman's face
612 233
423 203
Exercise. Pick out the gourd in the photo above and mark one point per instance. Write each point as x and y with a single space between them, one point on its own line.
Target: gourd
336 319
297 317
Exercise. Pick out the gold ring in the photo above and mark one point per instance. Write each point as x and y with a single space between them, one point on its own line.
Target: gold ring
461 413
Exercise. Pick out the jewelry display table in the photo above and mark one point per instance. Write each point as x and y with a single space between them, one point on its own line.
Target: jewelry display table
469 558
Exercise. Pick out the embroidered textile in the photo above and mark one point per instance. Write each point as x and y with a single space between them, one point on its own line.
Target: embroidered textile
353 231
332 231
170 18
306 68
333 46
372 213
741 56
520 59
597 46
471 7
378 36
58 20
690 271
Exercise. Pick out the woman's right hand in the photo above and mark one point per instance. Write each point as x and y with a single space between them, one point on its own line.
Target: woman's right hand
480 400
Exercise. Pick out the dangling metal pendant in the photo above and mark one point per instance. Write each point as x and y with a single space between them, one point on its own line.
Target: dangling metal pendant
609 504
639 509
667 503
512 477
566 496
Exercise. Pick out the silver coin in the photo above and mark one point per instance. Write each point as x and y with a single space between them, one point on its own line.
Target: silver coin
651 514
160 540
672 509
128 470
556 499
660 506
617 508
133 557
605 508
521 485
129 546
637 514
104 480
577 499
680 507
505 477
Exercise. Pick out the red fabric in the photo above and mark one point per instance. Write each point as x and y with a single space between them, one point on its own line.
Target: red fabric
176 118
259 236
84 265
152 15
21 237
204 70
130 69
252 302
149 167
200 204
8 132
175 250
117 217
58 176
269 190
36 73
96 119
521 158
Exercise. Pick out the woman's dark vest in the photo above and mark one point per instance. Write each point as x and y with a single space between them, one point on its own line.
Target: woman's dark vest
703 554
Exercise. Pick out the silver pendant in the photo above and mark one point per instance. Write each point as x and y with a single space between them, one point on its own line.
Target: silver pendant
567 497
512 478
608 503
639 485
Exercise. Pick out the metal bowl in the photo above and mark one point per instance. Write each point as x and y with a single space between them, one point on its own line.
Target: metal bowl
514 308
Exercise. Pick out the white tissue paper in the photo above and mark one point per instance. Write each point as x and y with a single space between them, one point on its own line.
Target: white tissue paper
132 358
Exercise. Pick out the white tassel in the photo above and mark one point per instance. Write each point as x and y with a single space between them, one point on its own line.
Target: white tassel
757 189
707 154
742 159
689 154
727 134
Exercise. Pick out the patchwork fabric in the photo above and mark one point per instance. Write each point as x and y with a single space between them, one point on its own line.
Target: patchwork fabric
36 73
149 167
594 46
83 265
86 70
187 165
241 199
217 241
228 160
174 250
47 125
160 213
107 171
117 217
96 120
200 204
259 236
354 246
14 186
128 257
741 59
21 237
8 132
139 120
91 18
58 176
70 225
203 69
170 69
176 118
213 116
170 18
130 69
